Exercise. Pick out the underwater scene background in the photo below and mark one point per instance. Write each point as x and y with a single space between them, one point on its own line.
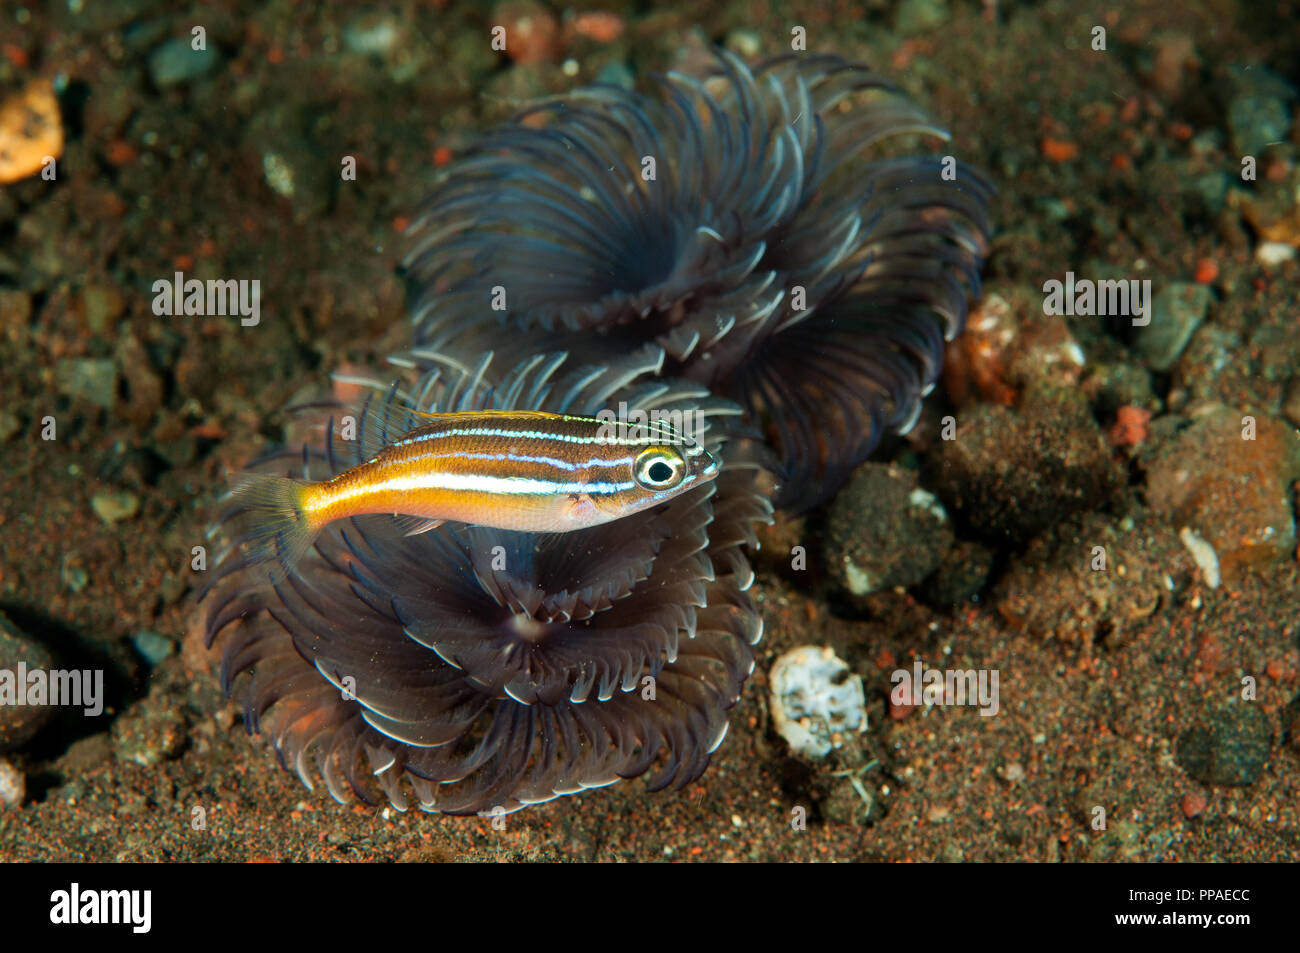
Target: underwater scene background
989 310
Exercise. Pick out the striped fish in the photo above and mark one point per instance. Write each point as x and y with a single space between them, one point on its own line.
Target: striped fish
517 470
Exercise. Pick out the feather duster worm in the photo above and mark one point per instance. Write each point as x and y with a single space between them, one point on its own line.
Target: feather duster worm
745 224
738 246
473 670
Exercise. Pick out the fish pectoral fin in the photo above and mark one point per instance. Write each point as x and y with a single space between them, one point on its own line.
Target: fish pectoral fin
415 525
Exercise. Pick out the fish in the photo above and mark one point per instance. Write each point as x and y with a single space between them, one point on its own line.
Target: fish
528 471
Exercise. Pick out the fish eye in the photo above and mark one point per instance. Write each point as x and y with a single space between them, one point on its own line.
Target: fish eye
659 468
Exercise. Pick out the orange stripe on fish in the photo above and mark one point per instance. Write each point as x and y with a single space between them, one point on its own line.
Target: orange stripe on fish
517 470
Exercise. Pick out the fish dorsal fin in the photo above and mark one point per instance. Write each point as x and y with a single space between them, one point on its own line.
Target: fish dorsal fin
424 417
359 436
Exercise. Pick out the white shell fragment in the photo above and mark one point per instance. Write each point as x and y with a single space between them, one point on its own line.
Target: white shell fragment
816 700
1203 552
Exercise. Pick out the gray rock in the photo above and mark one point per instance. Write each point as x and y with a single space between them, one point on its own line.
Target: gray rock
1257 122
102 305
885 531
1260 112
1230 746
1014 473
150 733
1110 386
153 648
18 723
92 379
1176 313
176 62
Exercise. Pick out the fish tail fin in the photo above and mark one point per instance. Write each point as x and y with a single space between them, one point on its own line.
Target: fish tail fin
280 530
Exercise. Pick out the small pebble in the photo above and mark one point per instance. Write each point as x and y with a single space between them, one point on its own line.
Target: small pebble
153 648
278 174
73 576
885 531
1272 209
372 34
747 43
1259 113
1110 387
1130 426
13 785
1274 253
1176 313
1230 746
1206 558
1257 122
101 306
176 62
93 380
1194 803
149 734
114 508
